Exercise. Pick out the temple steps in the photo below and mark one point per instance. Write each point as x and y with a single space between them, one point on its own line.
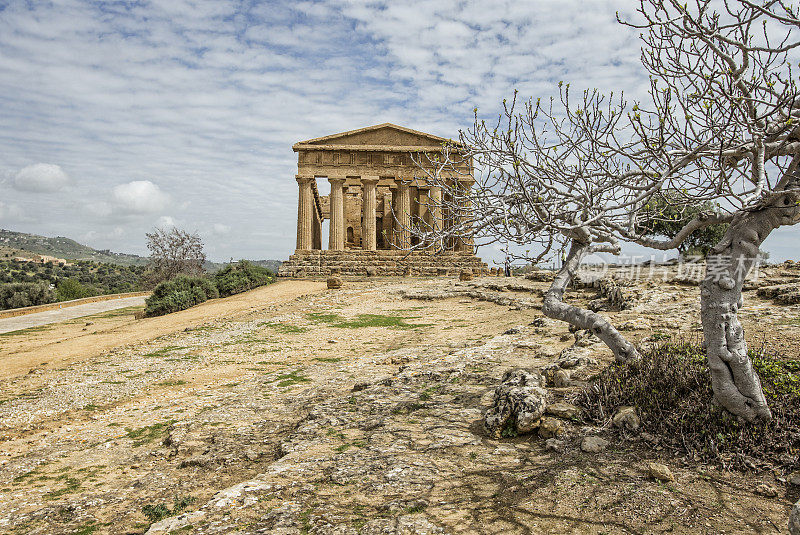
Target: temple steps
359 263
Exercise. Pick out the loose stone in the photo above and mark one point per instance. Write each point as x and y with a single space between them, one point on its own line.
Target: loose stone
660 472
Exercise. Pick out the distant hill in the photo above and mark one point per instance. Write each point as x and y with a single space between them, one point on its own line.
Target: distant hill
61 247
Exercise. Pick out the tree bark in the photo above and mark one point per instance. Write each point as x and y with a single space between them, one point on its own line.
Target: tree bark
554 306
736 385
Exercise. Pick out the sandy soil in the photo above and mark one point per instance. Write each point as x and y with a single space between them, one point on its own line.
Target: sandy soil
58 344
294 409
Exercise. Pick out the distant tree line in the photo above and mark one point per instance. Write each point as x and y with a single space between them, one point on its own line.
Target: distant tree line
30 283
175 274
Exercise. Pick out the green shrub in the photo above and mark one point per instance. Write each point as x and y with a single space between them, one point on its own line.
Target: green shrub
68 289
240 277
25 294
179 293
671 389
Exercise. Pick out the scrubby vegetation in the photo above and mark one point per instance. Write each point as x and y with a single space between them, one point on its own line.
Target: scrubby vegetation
182 292
671 390
32 283
179 293
25 294
240 277
36 283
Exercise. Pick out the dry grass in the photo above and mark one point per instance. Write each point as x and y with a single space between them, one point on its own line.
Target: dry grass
671 390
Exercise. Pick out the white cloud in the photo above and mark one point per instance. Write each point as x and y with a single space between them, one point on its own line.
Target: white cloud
165 222
209 96
139 197
41 178
221 230
94 236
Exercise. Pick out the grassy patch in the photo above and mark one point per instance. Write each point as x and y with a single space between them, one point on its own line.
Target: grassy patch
305 518
70 485
148 433
172 383
415 509
425 395
29 330
671 389
291 378
86 529
160 511
408 408
127 311
366 320
163 352
328 359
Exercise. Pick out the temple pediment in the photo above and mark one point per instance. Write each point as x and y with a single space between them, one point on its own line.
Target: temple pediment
386 137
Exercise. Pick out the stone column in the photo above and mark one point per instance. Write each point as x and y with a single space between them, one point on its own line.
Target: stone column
305 205
403 215
368 205
464 241
336 233
388 223
317 231
435 209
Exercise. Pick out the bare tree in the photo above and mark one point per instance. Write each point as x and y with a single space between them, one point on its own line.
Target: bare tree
720 125
174 252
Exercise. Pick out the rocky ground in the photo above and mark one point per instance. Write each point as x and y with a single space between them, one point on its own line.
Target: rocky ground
360 411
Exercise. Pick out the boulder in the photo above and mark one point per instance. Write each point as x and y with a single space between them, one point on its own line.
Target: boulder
553 444
518 404
767 490
794 519
550 427
593 444
574 357
794 478
541 276
334 283
465 275
626 418
563 410
660 472
638 324
561 379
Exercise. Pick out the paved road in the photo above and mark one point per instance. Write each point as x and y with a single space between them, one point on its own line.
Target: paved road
38 319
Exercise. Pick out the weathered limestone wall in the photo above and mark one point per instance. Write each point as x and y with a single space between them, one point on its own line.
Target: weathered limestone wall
359 263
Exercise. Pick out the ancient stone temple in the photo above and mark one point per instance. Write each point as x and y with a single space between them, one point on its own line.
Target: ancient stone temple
377 192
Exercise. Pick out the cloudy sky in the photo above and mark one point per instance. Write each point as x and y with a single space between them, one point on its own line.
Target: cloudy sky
118 116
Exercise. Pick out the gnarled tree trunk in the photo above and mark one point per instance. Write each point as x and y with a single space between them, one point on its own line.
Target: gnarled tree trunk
736 385
554 306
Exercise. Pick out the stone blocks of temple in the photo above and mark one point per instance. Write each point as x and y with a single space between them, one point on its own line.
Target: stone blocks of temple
378 193
360 263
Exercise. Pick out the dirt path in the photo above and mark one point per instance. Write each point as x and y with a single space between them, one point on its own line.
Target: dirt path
37 319
351 412
55 345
